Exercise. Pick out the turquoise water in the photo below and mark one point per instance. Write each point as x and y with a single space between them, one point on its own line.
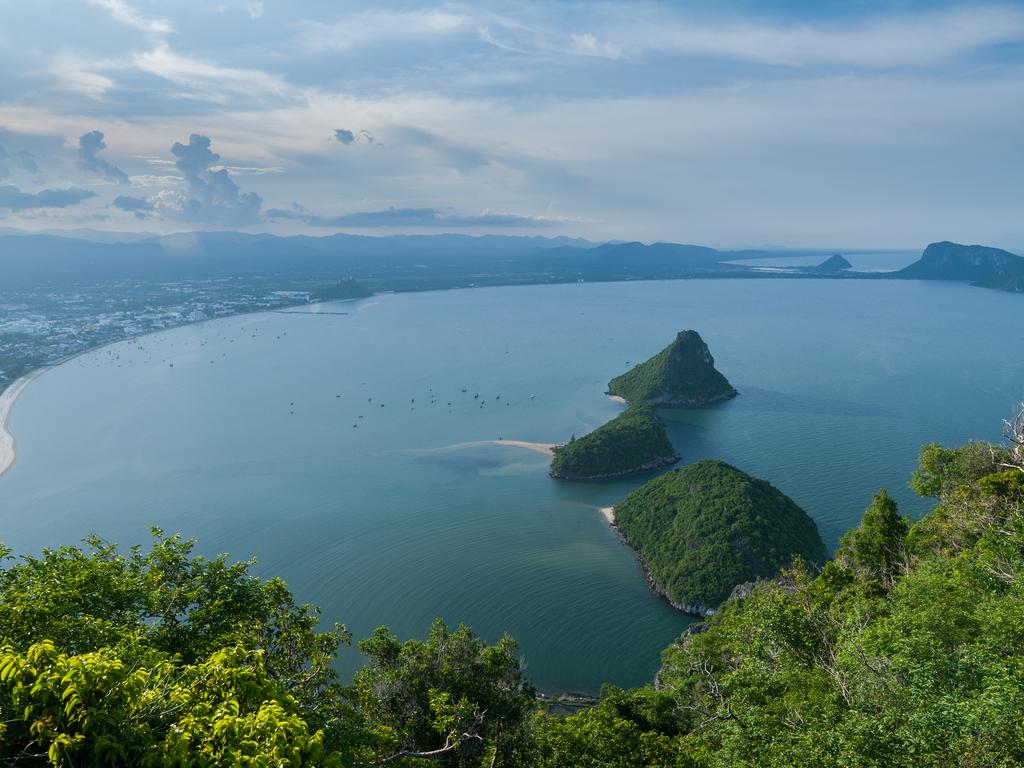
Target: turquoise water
247 441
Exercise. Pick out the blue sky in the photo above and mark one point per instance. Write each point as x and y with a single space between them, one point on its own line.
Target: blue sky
860 124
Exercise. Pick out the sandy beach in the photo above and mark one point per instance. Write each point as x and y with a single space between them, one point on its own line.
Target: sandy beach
546 448
8 398
617 399
609 514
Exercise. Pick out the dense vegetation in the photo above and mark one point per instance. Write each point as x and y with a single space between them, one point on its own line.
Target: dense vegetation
707 527
165 659
683 373
634 441
905 650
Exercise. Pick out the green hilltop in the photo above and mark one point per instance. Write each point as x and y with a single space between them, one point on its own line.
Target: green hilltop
683 373
634 441
703 529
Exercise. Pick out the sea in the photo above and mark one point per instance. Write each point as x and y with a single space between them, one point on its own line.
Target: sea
354 449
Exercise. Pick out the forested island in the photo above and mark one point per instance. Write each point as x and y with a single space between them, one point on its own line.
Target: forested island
705 528
682 374
634 441
906 649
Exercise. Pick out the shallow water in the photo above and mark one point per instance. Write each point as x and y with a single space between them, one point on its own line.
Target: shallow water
241 432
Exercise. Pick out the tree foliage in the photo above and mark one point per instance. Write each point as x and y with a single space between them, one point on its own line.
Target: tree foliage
634 441
706 527
164 658
683 373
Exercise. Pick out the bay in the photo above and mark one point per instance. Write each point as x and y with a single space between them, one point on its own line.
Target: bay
349 453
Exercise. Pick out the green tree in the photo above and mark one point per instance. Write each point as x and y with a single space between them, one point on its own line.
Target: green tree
451 698
876 547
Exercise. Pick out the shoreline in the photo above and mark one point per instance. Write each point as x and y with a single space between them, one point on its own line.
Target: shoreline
700 611
548 449
9 396
8 399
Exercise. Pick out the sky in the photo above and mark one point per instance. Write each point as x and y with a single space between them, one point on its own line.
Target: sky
762 123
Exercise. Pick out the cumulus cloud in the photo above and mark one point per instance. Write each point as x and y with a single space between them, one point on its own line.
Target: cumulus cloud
343 136
210 195
13 199
91 144
409 217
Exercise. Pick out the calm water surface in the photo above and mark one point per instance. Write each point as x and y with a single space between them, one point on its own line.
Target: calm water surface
319 443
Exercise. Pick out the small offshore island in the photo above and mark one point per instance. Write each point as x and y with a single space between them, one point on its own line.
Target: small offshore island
635 441
706 528
682 374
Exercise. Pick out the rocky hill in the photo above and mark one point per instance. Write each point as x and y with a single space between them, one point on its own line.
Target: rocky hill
683 373
702 529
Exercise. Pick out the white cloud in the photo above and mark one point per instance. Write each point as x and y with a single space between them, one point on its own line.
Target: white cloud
618 30
254 8
211 81
374 26
881 41
78 75
123 13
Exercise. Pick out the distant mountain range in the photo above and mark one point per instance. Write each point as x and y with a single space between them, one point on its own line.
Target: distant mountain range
424 262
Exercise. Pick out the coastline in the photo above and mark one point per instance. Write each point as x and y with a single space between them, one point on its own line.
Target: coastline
8 398
701 611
